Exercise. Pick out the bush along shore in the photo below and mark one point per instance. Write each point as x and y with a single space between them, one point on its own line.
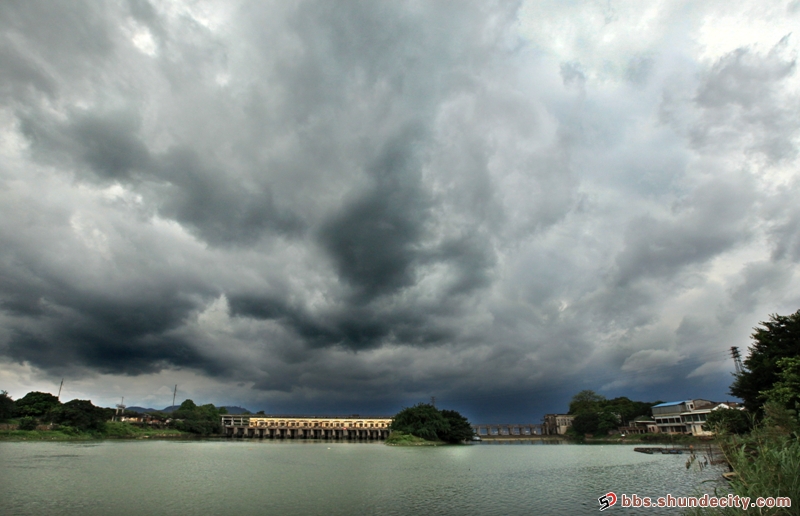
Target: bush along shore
113 430
40 416
398 438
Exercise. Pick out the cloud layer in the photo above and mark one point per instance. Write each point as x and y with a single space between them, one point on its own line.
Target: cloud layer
311 206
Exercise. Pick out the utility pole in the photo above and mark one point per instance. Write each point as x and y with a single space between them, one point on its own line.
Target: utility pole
433 400
120 408
59 390
737 359
174 393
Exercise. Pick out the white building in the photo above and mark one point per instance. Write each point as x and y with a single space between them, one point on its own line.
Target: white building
687 417
556 424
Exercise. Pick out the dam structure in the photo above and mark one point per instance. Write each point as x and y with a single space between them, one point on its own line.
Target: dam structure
508 430
260 426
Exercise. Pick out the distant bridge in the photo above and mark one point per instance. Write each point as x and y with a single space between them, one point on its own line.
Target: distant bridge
507 430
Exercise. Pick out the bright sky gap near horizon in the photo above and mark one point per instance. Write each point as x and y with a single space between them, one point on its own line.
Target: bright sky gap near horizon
350 207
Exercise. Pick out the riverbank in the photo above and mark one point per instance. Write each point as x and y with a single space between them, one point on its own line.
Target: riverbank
112 430
671 439
645 439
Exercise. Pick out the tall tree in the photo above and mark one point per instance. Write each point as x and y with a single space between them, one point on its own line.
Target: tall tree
6 406
586 401
776 339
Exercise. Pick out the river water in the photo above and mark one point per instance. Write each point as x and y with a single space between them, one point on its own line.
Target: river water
331 478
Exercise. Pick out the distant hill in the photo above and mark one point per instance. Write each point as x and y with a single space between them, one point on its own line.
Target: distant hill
142 410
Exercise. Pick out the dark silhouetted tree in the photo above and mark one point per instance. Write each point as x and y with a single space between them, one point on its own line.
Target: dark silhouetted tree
776 339
422 420
81 414
203 420
586 423
585 401
458 428
731 421
36 404
6 406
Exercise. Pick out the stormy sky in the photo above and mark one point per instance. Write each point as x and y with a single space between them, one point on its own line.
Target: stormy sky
350 207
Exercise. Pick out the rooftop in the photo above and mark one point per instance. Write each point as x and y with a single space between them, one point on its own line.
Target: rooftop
670 403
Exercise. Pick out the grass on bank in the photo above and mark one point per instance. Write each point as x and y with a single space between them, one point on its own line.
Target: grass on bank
113 430
397 438
763 468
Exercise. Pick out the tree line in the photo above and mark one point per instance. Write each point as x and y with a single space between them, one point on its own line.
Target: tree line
37 408
594 414
82 416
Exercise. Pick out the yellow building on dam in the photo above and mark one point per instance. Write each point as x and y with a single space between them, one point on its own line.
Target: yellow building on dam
305 427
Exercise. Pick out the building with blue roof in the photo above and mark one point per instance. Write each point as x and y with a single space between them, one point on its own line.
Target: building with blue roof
688 416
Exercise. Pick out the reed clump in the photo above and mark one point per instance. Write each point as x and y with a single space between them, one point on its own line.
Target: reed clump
765 463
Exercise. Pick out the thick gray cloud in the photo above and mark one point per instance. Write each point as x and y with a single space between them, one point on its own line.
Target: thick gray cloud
352 206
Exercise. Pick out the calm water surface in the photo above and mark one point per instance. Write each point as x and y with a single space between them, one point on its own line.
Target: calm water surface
330 478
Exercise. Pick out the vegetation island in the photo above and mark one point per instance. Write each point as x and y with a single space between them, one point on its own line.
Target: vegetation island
425 425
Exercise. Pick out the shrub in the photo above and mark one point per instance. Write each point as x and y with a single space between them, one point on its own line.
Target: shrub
27 423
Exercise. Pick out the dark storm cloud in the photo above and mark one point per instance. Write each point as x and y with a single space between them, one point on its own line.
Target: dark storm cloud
351 326
220 210
73 326
368 203
106 148
375 240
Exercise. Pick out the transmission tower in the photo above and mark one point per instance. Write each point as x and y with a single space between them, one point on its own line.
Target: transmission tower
737 359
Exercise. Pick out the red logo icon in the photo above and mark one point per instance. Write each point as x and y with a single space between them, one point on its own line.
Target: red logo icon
607 500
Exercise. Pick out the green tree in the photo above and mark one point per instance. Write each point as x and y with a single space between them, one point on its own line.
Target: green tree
203 420
458 429
776 339
422 420
731 421
626 409
187 405
82 414
586 401
27 423
6 406
36 404
586 423
786 391
609 422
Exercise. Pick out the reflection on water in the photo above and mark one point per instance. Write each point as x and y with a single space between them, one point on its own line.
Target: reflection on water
330 478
